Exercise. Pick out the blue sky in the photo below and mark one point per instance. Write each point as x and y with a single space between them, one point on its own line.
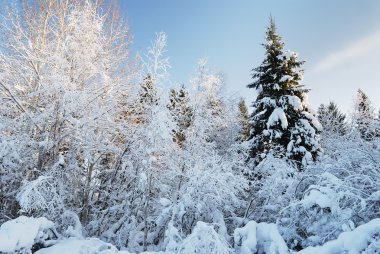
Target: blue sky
339 40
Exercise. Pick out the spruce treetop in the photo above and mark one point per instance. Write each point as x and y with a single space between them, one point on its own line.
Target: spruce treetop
280 72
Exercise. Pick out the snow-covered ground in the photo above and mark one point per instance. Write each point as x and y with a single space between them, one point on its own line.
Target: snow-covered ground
23 234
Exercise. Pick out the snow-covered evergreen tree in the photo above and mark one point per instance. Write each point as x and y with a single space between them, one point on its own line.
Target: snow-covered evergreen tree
181 112
364 117
282 120
332 120
147 98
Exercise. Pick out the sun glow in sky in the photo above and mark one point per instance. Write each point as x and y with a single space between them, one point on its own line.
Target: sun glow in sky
339 40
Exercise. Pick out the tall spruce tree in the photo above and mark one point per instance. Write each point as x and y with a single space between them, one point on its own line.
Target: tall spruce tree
282 121
332 120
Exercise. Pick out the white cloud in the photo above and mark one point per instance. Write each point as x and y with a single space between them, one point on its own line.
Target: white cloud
357 49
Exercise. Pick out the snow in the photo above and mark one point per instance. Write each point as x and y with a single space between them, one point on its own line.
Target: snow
268 101
290 146
39 195
22 232
322 197
352 242
266 133
295 102
278 115
307 159
74 227
307 127
375 196
313 120
261 113
286 78
259 89
165 202
81 246
204 239
259 238
61 160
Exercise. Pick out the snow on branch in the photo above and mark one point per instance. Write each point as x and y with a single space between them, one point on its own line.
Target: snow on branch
156 64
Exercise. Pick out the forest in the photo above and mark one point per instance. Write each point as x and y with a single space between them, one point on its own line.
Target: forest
98 155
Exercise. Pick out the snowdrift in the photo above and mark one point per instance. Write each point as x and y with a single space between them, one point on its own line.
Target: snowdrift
21 235
363 239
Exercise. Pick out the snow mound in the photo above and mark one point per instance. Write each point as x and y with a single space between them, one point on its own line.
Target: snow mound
81 246
323 197
259 238
204 239
363 239
295 102
22 233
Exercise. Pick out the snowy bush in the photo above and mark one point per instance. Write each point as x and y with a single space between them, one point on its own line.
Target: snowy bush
204 240
259 238
19 235
363 239
335 195
211 192
40 197
70 225
10 174
320 215
272 189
